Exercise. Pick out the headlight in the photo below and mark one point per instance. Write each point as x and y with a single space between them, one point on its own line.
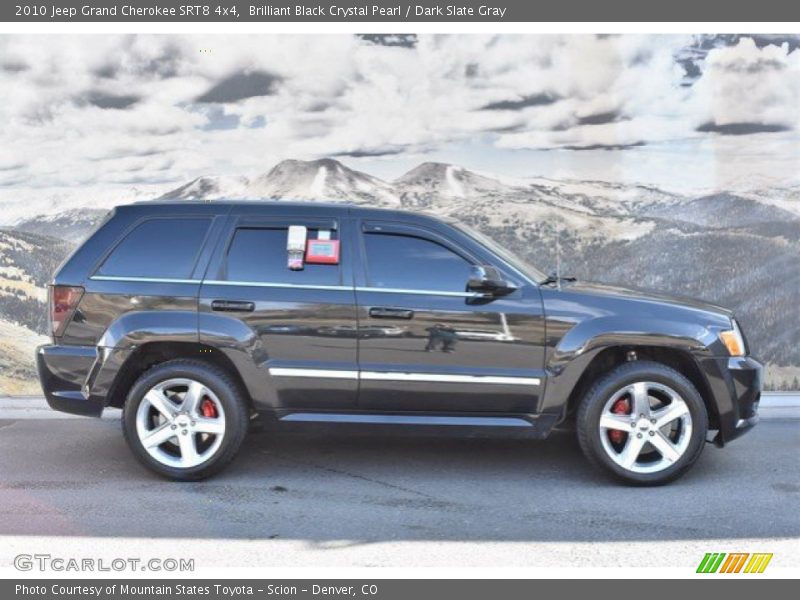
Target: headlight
733 340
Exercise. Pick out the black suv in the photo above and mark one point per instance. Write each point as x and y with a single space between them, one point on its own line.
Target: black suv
193 318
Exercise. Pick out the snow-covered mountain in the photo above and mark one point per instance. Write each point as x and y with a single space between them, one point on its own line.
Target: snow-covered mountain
212 188
589 211
323 179
439 186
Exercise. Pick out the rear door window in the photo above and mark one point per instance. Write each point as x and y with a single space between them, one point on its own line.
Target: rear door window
158 248
259 255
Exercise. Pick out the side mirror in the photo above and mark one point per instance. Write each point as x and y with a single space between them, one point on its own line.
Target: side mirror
486 279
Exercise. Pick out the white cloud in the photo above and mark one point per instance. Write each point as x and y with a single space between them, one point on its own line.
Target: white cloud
338 94
747 84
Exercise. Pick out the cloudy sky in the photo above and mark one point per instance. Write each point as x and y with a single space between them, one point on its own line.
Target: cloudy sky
683 112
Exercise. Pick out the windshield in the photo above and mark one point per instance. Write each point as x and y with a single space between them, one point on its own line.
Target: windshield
507 255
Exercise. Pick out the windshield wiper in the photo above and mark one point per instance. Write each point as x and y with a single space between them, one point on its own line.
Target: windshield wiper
557 279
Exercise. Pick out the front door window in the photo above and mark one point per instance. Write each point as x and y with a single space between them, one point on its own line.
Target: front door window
398 261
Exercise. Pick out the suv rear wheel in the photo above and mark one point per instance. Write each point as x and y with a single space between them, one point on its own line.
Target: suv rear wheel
643 422
185 419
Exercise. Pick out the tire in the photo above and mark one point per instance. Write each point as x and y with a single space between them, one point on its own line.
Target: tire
662 445
196 414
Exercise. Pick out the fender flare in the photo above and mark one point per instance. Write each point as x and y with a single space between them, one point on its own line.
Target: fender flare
130 331
575 351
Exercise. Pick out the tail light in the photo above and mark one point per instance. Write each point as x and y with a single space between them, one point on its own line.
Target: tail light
63 302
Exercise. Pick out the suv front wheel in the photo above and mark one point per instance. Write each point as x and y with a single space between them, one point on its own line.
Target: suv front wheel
643 422
185 419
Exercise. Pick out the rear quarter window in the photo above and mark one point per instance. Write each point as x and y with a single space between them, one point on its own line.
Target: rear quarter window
158 248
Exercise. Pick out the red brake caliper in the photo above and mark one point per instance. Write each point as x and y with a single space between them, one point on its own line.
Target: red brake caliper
208 409
621 407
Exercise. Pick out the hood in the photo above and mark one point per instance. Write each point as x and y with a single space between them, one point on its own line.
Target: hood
602 289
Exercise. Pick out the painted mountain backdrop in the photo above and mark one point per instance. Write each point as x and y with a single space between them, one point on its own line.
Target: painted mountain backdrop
736 248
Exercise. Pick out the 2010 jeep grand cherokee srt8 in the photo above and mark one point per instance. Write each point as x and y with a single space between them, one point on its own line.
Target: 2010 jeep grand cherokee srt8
194 317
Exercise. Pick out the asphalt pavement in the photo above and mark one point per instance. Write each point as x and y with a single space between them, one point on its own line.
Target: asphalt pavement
331 499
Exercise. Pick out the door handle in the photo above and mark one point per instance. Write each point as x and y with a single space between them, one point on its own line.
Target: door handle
380 312
233 306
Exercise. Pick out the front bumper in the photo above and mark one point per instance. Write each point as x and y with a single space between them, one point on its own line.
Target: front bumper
735 384
63 373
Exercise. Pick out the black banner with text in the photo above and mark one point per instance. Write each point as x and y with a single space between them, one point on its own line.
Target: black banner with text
372 589
377 11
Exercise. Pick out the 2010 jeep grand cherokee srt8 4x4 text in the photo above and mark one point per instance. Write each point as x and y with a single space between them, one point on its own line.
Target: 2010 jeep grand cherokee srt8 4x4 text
195 317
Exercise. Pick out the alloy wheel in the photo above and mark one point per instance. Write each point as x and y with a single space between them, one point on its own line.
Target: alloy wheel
645 427
180 423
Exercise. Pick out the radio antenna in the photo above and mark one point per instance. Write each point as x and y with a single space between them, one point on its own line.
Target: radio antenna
558 259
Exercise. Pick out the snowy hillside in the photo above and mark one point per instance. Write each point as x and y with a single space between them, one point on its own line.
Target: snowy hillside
71 225
21 204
